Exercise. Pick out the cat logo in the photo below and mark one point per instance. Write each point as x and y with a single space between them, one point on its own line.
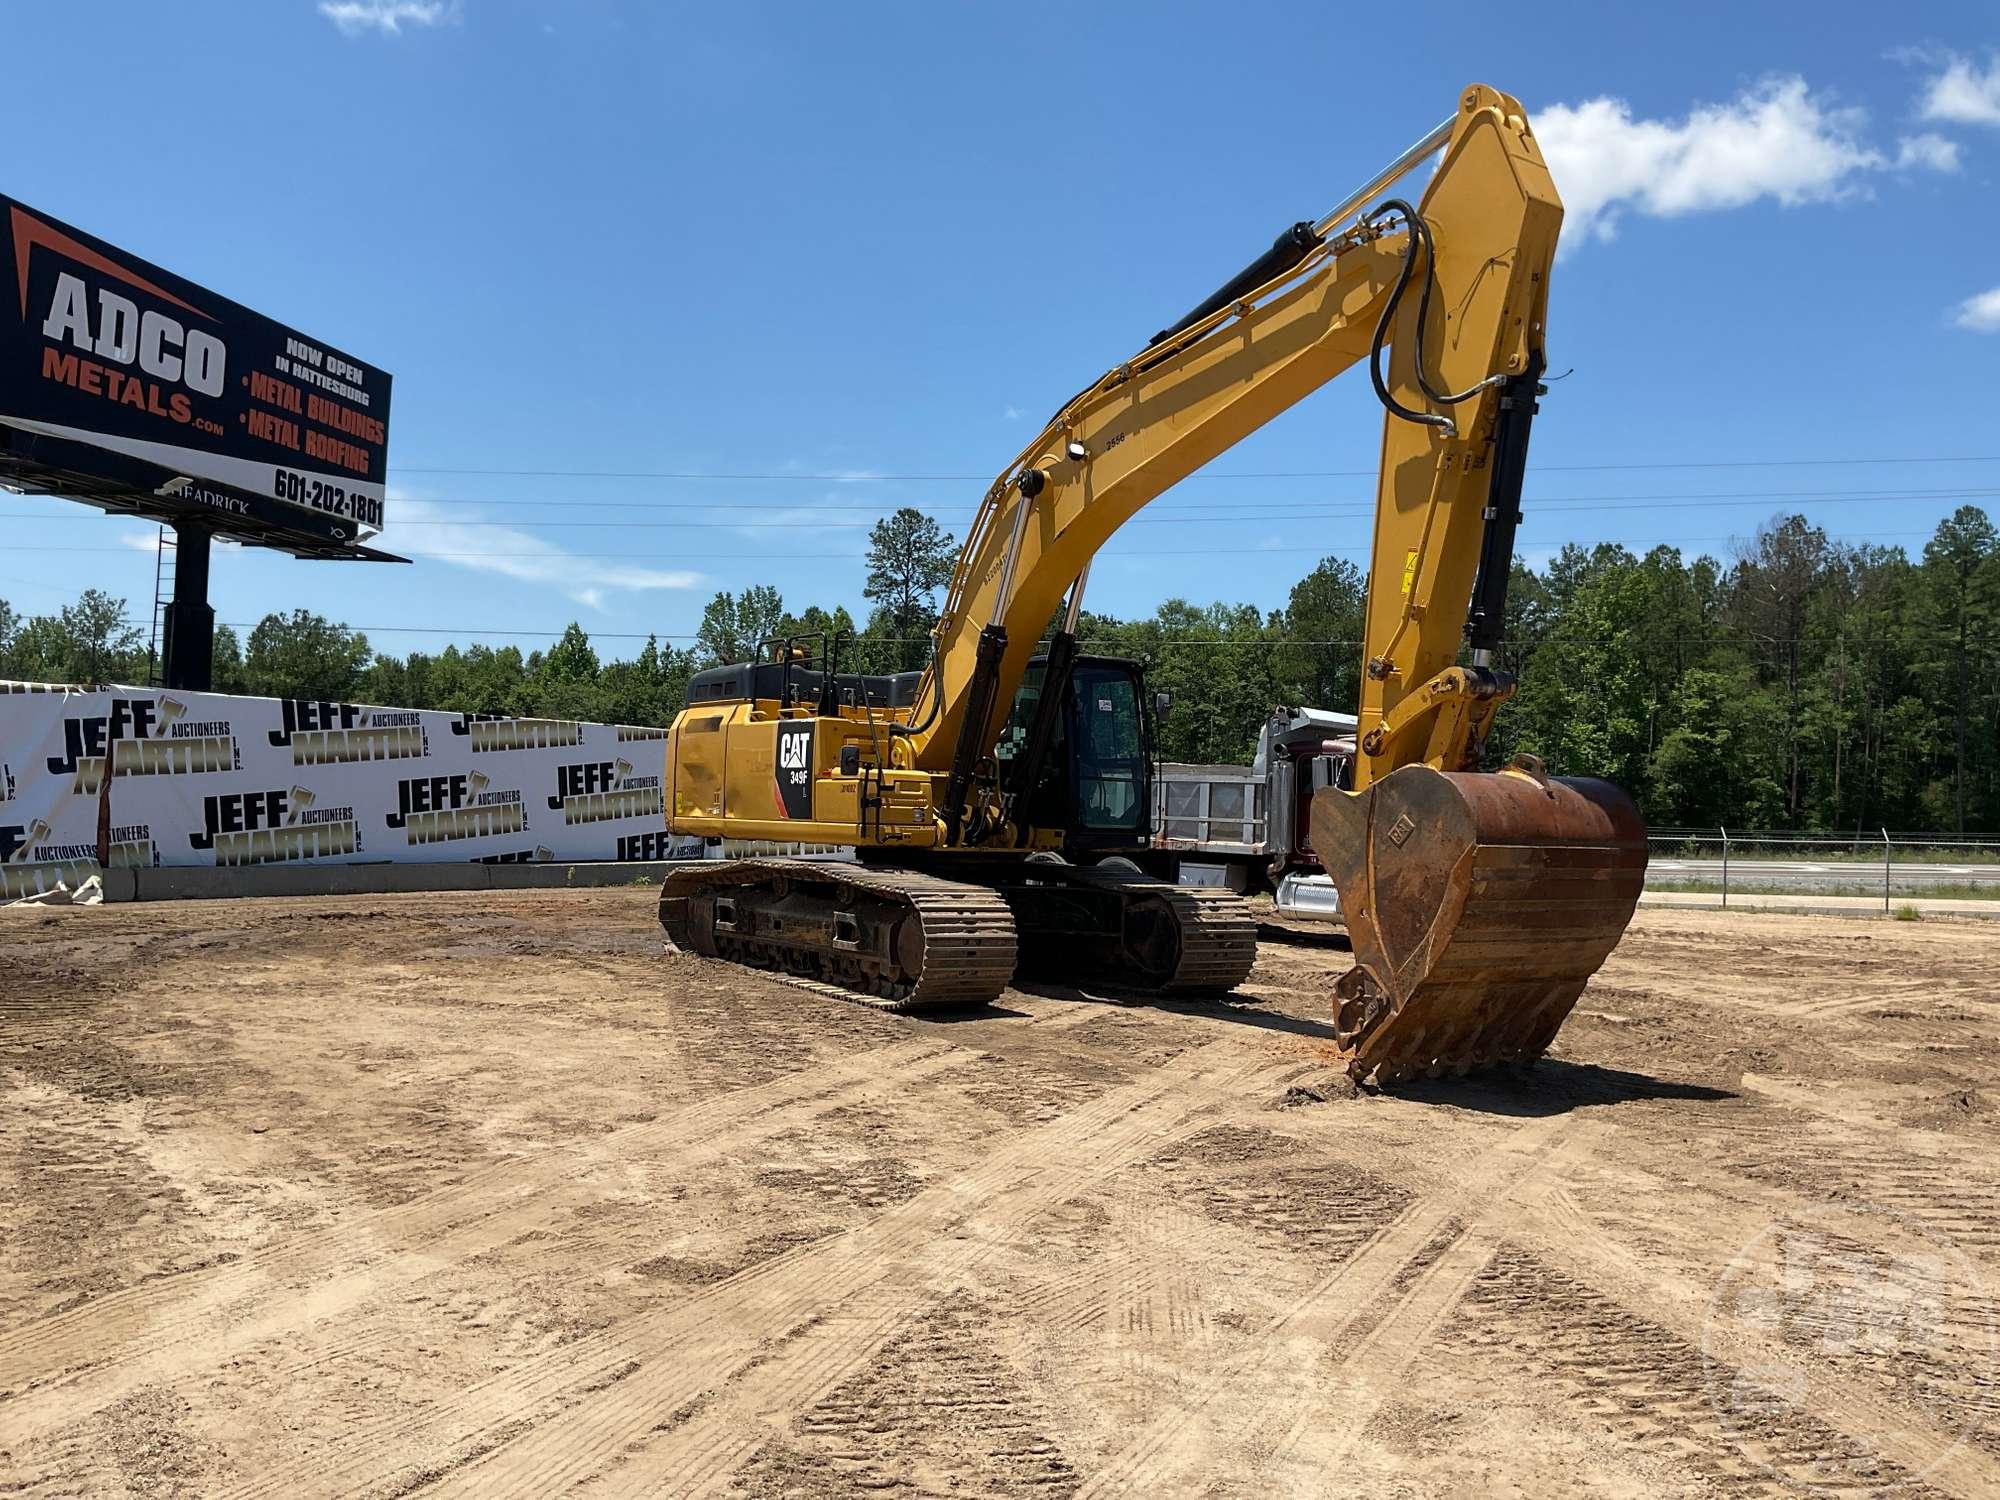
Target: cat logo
794 769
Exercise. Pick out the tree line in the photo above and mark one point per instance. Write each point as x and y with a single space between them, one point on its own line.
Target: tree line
1803 683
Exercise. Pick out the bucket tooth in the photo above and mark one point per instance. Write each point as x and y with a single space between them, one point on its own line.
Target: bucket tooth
1479 904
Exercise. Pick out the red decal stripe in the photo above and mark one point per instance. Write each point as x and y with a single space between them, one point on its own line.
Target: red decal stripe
30 231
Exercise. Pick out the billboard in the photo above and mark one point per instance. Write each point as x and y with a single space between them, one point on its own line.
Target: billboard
212 779
120 380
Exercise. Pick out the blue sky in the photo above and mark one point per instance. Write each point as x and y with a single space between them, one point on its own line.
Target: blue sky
827 244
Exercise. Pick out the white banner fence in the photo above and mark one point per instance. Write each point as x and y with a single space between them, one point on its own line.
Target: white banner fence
211 779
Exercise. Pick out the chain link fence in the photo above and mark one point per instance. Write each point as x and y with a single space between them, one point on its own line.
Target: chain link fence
1878 863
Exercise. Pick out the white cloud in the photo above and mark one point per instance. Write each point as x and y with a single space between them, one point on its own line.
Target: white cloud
389 17
1962 94
1929 150
520 555
794 467
1777 140
147 541
780 527
1013 413
1982 313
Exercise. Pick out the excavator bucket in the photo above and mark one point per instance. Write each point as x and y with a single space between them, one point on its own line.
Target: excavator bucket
1479 904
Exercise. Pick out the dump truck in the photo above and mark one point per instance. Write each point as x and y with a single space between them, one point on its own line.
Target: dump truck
1248 828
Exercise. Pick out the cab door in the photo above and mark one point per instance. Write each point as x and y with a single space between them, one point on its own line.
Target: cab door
1109 761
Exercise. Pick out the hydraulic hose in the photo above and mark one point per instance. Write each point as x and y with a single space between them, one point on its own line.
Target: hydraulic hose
907 731
1420 238
1424 323
1382 393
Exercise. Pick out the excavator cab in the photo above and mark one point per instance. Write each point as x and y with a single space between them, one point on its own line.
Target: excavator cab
1095 782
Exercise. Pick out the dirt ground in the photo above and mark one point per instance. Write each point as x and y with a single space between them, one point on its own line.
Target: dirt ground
485 1194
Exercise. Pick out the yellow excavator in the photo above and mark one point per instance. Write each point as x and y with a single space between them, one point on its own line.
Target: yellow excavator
998 800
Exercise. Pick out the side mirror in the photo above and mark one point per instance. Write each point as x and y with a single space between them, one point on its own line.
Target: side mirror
1161 703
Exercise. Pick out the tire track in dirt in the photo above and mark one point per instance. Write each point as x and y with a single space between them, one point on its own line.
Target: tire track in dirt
1943 1196
1153 1303
1680 1317
1118 1287
897 1275
1137 1329
1651 1389
1827 1304
54 1368
1854 1161
963 1421
1267 1184
1809 1159
1821 1145
1114 1282
159 1330
1871 1437
1844 997
1870 994
1435 1279
798 1322
1833 1163
1395 1288
1159 1294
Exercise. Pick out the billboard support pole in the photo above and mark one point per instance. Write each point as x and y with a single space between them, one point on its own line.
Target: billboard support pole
190 647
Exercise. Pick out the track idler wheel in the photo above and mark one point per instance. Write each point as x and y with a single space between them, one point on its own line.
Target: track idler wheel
1479 904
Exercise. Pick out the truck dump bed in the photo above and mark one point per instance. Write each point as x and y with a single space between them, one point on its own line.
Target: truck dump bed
1248 827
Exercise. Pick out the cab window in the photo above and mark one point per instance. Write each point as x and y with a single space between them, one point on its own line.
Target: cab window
1110 756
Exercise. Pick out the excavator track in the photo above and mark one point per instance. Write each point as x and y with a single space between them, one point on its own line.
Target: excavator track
893 939
1218 943
1165 939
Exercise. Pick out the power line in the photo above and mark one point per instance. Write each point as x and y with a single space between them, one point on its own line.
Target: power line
1362 505
853 476
1332 515
1359 549
553 508
1290 517
1358 511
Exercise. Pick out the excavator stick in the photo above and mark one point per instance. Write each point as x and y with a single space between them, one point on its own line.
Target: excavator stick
1479 904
